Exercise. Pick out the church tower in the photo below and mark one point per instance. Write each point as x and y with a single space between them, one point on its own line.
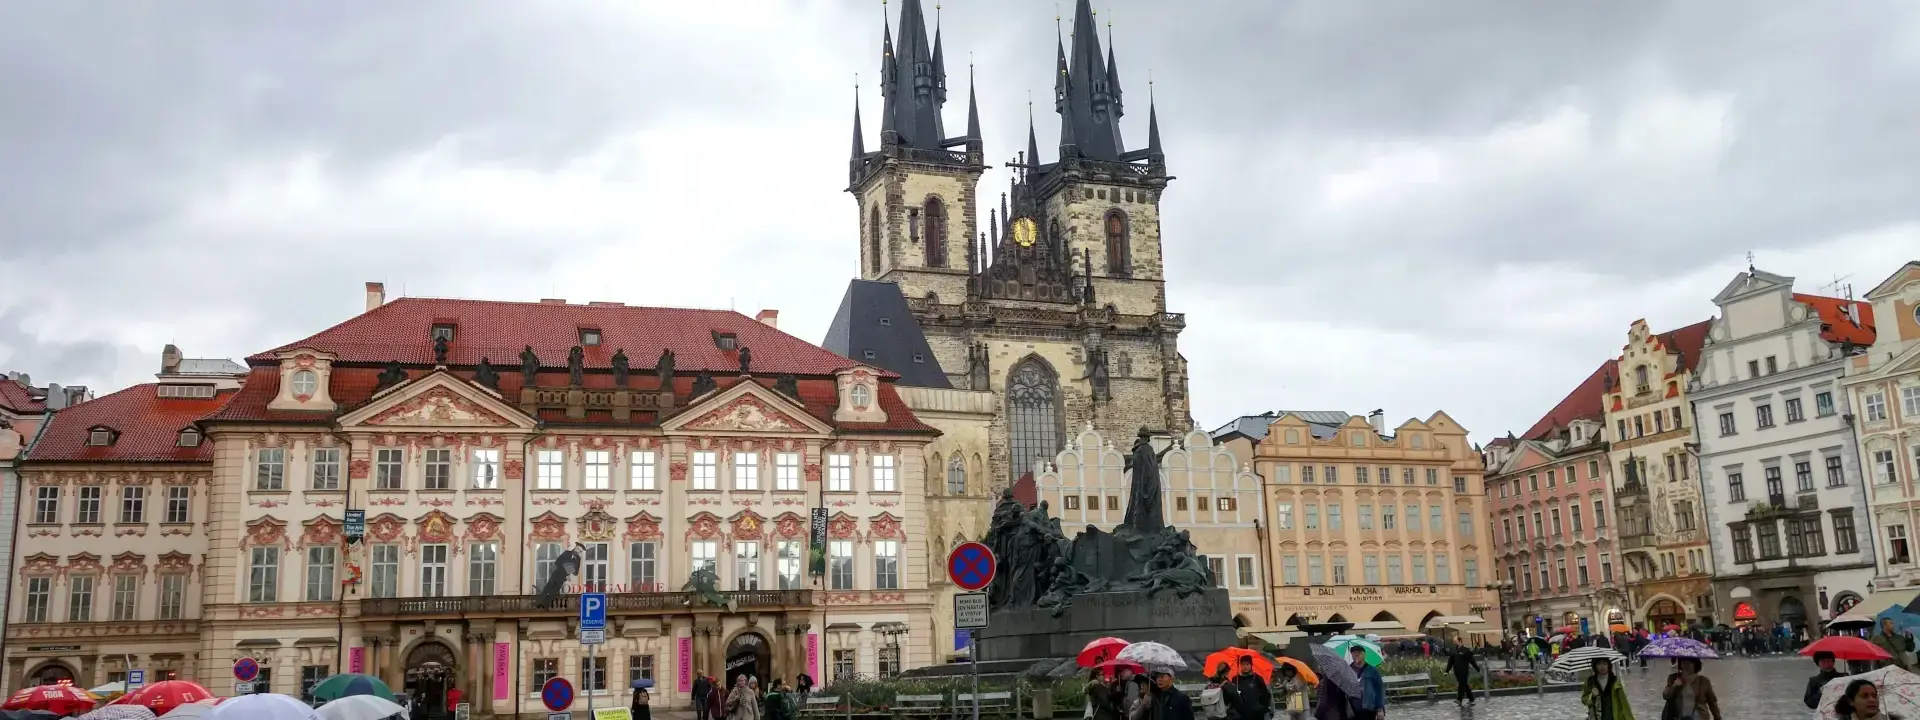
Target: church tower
916 192
1056 303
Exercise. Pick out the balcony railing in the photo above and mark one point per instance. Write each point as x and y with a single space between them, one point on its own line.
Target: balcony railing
1630 542
523 605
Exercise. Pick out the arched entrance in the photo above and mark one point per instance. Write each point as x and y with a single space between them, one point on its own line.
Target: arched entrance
1793 612
1663 612
431 670
1295 620
1337 618
52 673
749 654
1427 621
1384 616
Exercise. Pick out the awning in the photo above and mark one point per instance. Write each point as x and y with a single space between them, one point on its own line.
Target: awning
1456 620
1882 600
1281 638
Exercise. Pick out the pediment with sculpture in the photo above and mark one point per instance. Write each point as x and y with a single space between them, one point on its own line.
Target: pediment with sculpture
748 407
437 400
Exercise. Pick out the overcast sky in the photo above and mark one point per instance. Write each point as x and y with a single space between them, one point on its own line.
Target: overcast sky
1397 204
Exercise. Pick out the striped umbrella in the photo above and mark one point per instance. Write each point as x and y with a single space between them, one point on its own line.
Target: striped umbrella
350 684
1580 658
119 712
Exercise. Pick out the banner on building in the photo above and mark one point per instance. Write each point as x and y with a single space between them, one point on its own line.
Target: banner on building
817 554
357 659
813 658
502 662
686 664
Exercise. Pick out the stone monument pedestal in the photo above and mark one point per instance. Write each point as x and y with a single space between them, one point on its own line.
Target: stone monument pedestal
1198 624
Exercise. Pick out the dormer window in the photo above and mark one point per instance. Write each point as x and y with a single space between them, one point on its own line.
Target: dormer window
100 437
860 395
919 358
589 336
886 322
868 354
724 340
442 331
189 437
305 382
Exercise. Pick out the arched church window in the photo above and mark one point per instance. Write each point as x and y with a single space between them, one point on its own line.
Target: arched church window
957 475
1033 410
934 215
1119 245
873 241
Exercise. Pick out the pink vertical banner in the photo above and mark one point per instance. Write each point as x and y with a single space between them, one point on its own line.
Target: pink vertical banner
813 659
686 664
502 659
357 659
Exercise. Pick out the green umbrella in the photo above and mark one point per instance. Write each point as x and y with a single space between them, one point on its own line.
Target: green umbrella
1373 655
346 684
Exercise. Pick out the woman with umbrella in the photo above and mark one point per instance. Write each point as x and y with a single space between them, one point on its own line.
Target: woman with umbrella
1604 696
1293 692
1688 693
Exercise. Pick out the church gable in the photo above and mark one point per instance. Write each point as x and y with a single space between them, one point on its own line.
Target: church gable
747 407
437 400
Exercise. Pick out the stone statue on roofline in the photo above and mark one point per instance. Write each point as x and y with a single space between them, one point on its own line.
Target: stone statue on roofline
620 368
576 366
746 359
529 366
664 369
486 376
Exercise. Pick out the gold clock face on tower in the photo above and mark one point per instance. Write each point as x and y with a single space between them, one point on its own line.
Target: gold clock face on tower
1025 232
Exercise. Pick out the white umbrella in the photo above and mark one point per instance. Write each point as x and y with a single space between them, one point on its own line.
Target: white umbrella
360 707
119 712
112 688
1899 692
189 710
1153 656
1579 658
261 707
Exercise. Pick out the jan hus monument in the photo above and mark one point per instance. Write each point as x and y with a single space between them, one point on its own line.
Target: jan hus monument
1143 581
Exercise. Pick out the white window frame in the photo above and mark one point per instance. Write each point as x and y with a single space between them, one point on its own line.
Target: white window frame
596 567
433 570
885 473
46 505
886 565
389 469
263 575
746 565
383 571
87 505
544 555
325 472
746 471
786 471
704 553
1245 574
270 469
321 561
1875 406
436 469
133 504
839 472
486 469
790 556
179 505
126 598
172 597
597 472
80 598
706 470
483 568
840 565
640 471
642 566
551 466
39 601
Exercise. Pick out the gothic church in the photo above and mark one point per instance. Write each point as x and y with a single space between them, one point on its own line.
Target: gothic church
1053 310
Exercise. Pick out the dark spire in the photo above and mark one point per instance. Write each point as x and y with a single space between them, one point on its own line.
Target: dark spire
1154 153
939 59
973 108
915 85
859 136
889 77
1086 97
1113 72
1033 144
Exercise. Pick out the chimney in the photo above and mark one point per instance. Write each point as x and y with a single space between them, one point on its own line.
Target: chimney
771 318
56 397
170 357
1378 419
376 295
604 303
553 301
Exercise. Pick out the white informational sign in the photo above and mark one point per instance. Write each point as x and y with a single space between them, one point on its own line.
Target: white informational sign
593 637
463 711
136 678
243 688
970 611
559 716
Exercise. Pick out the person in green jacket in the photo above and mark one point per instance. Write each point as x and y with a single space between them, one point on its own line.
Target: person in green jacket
1604 696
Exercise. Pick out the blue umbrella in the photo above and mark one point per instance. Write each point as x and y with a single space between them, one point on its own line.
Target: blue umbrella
642 684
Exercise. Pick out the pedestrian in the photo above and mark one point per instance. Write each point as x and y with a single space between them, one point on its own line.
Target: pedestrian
1251 695
803 684
1823 660
1126 694
1167 702
1214 703
1688 694
1895 644
1860 701
776 705
1604 696
1461 663
1331 703
702 690
1140 688
742 702
1371 703
1100 698
641 709
1293 689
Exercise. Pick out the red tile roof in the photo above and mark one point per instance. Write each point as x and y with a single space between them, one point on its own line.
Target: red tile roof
1025 491
402 330
1836 326
16 397
352 387
1584 402
148 428
1690 341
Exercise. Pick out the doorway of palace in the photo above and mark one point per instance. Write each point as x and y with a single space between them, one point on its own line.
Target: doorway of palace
52 673
1664 612
1793 612
431 671
750 654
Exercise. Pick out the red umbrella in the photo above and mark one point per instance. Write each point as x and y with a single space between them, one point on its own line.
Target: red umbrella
1568 630
1113 666
1670 628
1846 647
61 699
162 697
1100 651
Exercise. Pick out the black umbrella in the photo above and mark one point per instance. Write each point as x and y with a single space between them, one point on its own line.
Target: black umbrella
1331 667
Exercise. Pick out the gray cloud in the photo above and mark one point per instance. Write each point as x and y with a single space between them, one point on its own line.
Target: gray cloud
1400 204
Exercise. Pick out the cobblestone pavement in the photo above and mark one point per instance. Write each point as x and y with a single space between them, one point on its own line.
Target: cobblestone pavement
1765 688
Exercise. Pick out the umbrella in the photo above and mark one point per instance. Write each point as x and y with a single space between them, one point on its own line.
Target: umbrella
1113 666
1558 637
1228 662
1678 647
1580 658
1846 647
1619 627
1335 669
112 688
349 684
1100 651
1153 656
61 699
1566 630
189 710
265 706
643 684
1851 621
119 712
27 715
165 695
1899 692
359 707
1373 655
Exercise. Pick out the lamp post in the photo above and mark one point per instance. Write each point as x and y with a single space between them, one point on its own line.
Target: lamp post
892 634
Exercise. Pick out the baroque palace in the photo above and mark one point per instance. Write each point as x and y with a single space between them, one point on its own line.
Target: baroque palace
382 497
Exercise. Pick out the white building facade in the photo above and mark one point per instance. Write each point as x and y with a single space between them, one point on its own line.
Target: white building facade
1884 385
1780 476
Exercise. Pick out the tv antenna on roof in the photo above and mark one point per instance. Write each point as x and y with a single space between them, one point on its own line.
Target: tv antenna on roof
1839 286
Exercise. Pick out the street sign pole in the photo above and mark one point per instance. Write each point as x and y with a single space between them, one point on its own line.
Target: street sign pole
593 628
973 658
593 655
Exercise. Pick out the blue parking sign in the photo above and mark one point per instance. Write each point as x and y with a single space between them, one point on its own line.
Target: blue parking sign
593 611
136 678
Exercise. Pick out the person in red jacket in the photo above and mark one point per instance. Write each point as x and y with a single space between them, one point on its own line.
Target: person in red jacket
453 698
